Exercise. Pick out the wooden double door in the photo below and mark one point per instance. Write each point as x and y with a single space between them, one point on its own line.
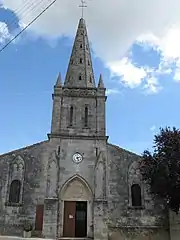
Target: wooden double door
75 219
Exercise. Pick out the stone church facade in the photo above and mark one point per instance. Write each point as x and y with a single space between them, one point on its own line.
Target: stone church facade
76 184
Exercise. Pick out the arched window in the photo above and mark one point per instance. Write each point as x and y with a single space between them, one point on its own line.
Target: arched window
80 60
136 195
86 117
80 45
80 78
90 79
71 116
15 189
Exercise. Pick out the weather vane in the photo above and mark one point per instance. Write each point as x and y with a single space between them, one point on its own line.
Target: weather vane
83 5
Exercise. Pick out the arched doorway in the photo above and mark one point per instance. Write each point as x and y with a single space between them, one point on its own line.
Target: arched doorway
76 197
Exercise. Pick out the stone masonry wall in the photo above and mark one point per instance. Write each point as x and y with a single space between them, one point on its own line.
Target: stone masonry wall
124 219
121 219
33 188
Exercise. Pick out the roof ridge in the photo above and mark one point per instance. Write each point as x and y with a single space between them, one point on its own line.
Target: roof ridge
120 148
23 148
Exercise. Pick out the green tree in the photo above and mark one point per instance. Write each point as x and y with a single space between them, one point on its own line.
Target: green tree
161 168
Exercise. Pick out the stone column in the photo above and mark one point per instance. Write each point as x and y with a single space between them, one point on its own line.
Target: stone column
61 220
174 225
50 226
100 216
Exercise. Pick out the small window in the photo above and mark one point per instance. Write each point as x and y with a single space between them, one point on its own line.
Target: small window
96 151
15 189
71 116
80 78
80 60
90 79
86 117
88 62
136 195
72 61
80 45
86 47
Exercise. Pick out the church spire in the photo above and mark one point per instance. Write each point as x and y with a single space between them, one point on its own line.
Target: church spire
100 84
59 81
80 72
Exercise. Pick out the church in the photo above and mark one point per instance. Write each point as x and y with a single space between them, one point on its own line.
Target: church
76 185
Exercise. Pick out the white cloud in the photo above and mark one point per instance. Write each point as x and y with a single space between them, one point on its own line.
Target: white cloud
165 67
129 73
152 85
112 31
4 33
112 91
167 45
115 28
134 76
153 128
177 72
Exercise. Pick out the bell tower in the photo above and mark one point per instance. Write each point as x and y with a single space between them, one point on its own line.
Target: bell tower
78 131
78 105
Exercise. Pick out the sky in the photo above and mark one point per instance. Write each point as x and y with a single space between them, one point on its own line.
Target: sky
135 45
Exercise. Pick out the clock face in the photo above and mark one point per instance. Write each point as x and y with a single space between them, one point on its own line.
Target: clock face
77 158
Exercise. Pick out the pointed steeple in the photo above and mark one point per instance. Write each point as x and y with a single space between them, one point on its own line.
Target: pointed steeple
80 72
59 81
100 84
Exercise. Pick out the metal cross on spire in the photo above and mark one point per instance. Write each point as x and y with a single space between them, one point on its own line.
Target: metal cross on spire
83 5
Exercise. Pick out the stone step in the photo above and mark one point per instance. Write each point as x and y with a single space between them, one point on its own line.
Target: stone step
20 238
68 238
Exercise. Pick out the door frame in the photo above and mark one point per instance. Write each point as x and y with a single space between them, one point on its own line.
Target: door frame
86 197
85 220
89 215
72 206
39 220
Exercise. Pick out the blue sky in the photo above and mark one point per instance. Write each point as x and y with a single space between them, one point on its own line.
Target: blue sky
135 110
